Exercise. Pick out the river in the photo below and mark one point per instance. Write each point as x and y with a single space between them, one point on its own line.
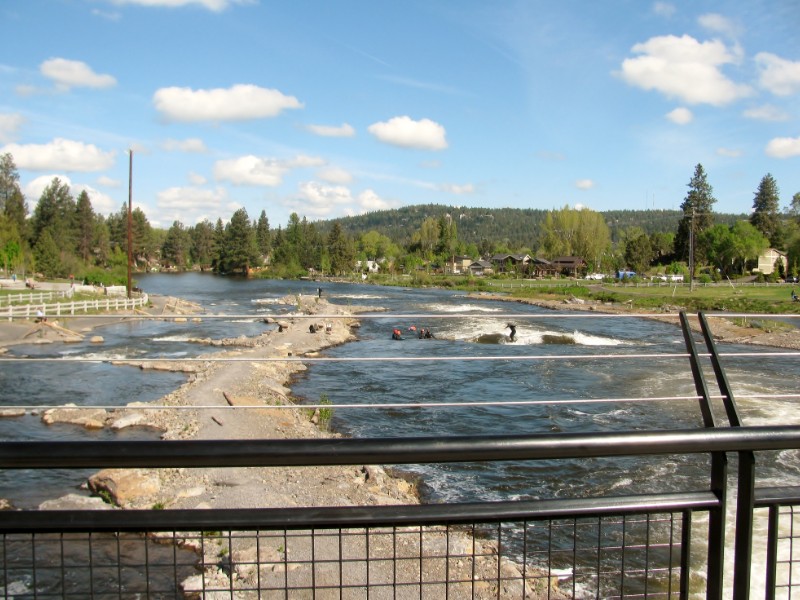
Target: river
567 374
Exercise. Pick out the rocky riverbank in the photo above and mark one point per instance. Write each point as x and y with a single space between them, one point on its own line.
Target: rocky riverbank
248 398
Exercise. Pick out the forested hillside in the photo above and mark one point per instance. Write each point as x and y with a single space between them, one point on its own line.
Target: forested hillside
513 227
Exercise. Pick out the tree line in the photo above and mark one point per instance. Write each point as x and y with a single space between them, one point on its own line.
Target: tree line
64 236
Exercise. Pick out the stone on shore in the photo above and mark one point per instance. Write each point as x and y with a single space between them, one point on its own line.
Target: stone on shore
75 502
12 412
90 418
126 487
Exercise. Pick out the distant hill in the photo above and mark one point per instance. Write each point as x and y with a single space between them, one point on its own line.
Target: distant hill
516 227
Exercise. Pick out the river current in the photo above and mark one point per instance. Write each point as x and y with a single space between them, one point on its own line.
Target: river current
573 373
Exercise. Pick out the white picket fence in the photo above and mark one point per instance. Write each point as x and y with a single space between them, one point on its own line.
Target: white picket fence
63 309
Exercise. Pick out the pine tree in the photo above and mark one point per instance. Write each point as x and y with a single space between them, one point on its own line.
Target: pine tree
262 234
85 224
240 240
697 211
765 215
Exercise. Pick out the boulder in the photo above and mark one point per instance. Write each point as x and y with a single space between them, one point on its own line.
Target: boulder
125 486
91 418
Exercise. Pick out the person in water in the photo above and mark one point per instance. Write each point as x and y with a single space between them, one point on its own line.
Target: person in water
397 334
513 329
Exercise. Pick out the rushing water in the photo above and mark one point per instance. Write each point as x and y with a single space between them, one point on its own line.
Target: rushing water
601 359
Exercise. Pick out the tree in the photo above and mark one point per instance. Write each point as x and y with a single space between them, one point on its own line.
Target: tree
341 250
765 216
241 250
9 179
46 253
85 226
729 248
202 243
573 232
55 212
175 250
639 253
697 214
262 234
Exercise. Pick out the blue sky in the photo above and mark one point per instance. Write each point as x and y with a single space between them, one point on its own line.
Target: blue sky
336 108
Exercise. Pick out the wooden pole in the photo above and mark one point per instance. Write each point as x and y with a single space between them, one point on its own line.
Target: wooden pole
130 218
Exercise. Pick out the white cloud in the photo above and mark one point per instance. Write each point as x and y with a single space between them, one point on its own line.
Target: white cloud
584 184
335 175
680 116
729 152
190 205
783 147
767 112
321 200
719 24
664 9
212 5
73 73
682 67
108 181
187 145
101 203
253 170
778 75
407 133
197 179
33 189
9 124
60 154
454 188
344 130
368 200
237 103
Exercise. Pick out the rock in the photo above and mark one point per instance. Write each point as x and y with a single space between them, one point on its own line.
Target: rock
96 339
125 486
5 504
12 412
128 420
91 418
75 502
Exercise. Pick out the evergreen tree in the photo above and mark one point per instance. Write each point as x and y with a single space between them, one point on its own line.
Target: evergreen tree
697 210
262 234
639 253
55 212
175 250
219 251
240 241
85 226
9 179
765 216
342 251
46 253
202 244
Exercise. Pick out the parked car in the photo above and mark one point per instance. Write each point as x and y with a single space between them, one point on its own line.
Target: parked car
596 276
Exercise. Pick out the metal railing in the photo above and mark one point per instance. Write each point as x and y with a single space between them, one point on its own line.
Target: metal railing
669 545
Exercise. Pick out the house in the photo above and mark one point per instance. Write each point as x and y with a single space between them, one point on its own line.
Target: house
510 263
541 267
767 260
370 266
569 265
458 264
481 267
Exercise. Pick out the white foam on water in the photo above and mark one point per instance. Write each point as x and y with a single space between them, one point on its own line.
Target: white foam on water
173 338
587 339
460 308
358 296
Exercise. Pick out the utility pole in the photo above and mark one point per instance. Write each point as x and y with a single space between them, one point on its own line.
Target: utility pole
130 218
691 253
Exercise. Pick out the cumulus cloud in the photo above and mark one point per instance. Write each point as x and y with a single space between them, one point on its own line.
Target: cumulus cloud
253 170
34 188
9 124
344 130
729 152
187 145
767 112
664 9
197 179
719 24
454 188
238 103
368 200
60 154
584 184
108 181
335 175
407 133
680 116
778 75
74 73
783 147
321 200
212 5
190 205
684 68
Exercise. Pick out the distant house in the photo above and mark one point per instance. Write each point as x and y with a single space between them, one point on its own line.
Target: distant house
541 267
370 266
569 265
510 263
458 264
481 267
767 260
